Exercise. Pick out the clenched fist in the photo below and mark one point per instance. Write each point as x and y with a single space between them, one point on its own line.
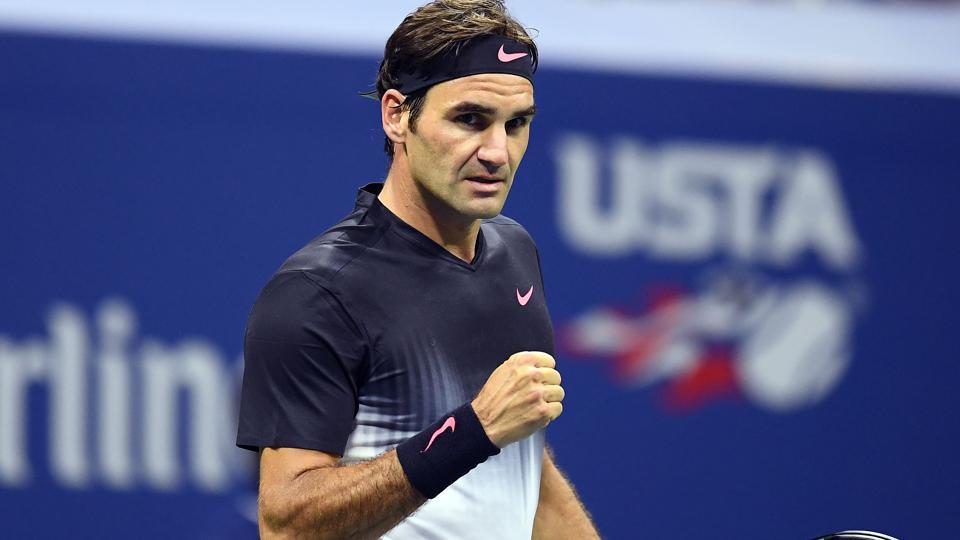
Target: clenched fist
521 396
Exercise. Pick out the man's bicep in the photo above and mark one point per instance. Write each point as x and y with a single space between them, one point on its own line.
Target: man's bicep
284 465
288 482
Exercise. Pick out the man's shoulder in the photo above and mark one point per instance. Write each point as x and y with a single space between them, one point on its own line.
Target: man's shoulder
326 256
506 229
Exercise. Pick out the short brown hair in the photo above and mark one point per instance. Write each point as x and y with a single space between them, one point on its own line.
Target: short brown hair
435 30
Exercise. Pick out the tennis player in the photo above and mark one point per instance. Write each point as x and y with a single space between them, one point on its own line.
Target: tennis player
398 369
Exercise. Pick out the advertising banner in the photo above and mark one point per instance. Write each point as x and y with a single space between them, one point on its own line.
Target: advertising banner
753 286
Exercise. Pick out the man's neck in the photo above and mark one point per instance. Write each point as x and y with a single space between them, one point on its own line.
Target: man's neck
401 196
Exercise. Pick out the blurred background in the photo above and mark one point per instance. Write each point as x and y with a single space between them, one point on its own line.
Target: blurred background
746 213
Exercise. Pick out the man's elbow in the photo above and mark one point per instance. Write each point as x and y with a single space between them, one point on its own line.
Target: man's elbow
273 520
282 519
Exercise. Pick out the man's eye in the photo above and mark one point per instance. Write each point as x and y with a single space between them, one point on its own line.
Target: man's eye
517 123
469 119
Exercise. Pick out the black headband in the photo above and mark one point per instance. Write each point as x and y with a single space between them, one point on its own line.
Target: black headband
486 54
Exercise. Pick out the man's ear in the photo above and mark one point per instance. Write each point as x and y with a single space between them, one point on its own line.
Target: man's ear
392 116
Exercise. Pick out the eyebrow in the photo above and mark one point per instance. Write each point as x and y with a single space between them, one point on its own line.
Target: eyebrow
468 107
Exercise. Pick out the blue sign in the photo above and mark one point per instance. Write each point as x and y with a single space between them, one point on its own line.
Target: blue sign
754 287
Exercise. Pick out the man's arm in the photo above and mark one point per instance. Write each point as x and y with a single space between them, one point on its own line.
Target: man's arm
560 513
305 493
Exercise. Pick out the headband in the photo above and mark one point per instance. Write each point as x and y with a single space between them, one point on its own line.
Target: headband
485 54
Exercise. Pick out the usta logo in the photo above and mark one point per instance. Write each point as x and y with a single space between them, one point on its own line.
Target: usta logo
765 231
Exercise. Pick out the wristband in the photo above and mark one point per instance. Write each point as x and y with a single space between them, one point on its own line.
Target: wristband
448 449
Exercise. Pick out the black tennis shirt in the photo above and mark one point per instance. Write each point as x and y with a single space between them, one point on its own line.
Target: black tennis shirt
372 331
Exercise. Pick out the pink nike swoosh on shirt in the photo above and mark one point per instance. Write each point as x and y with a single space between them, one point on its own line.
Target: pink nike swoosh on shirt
504 56
525 298
449 423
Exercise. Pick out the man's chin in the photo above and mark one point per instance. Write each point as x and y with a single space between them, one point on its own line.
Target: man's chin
485 211
485 207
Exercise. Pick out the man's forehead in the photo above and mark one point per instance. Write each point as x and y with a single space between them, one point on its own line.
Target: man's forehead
498 88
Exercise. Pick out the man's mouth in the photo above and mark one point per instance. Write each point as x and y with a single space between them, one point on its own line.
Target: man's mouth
489 185
485 179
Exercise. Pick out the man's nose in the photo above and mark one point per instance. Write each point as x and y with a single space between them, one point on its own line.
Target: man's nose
493 150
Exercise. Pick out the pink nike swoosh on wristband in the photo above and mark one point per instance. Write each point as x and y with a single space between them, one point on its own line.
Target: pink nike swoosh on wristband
504 56
525 298
450 422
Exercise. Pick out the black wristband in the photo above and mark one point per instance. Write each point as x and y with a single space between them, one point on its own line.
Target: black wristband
439 455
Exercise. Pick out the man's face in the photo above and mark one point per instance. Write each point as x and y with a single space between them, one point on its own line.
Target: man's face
470 137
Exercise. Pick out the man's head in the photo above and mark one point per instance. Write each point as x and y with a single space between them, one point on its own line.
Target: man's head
456 101
433 32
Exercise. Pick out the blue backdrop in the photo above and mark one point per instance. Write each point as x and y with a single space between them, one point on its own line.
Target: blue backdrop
753 286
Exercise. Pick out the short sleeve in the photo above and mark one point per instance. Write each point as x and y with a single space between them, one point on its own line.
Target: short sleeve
304 361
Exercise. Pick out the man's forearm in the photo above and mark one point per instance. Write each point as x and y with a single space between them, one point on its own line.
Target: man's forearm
560 514
362 500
